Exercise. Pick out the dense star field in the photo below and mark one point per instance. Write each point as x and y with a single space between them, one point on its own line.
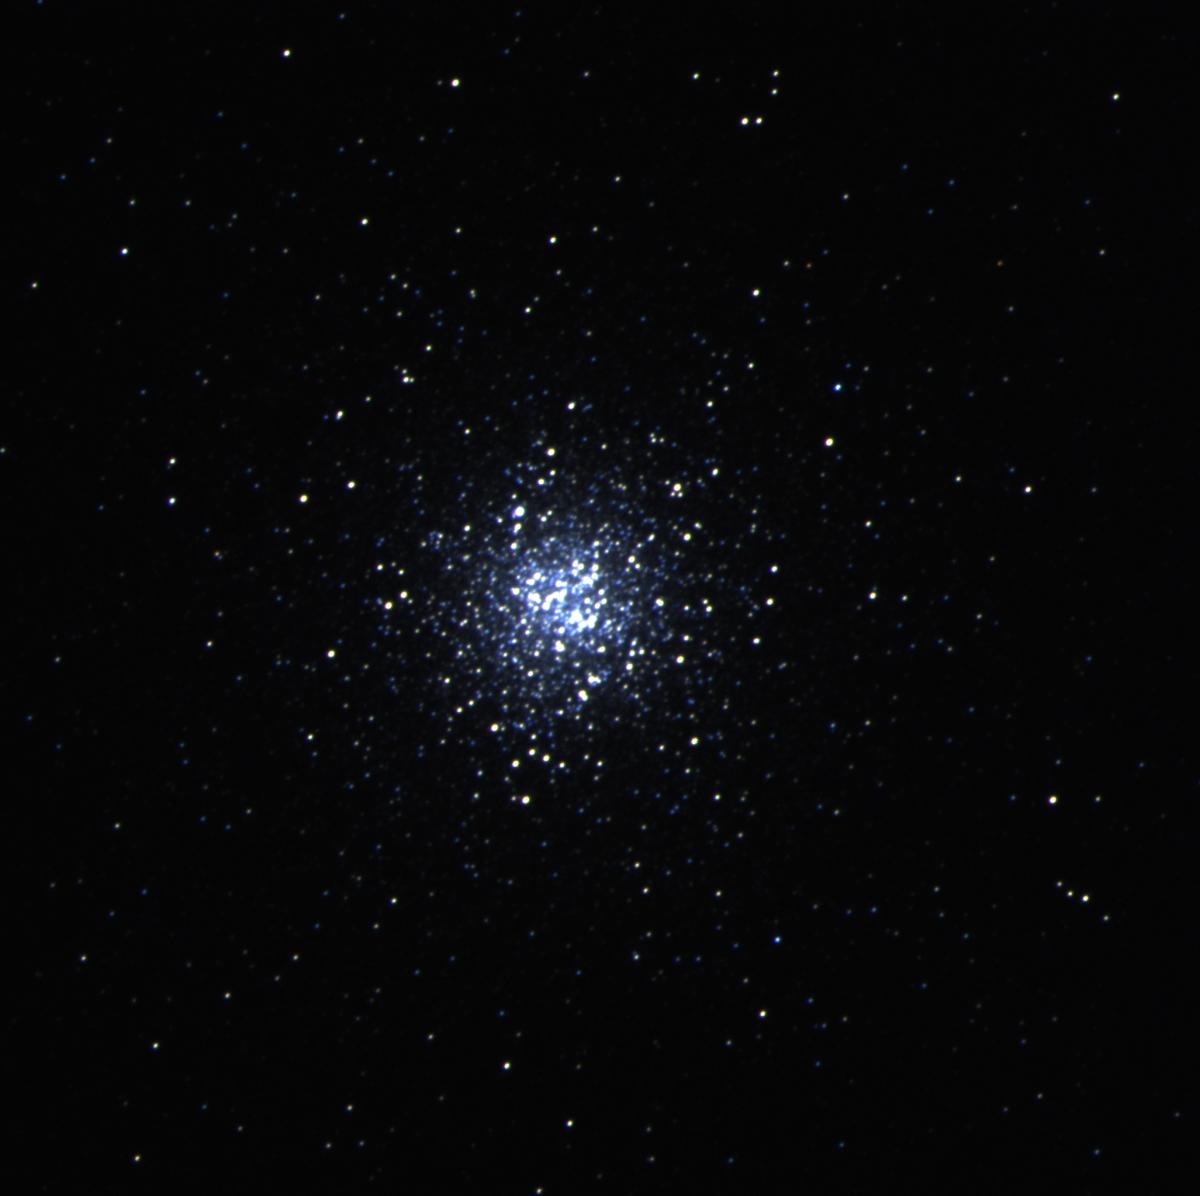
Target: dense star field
600 603
574 608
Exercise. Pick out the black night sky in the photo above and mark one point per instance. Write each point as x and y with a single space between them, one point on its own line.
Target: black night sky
599 598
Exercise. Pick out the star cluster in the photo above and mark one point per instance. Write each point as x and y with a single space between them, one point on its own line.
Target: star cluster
580 599
611 618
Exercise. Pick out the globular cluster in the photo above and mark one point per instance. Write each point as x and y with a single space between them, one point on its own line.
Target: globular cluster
586 598
608 621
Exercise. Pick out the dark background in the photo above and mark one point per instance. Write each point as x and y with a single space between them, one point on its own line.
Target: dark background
272 919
